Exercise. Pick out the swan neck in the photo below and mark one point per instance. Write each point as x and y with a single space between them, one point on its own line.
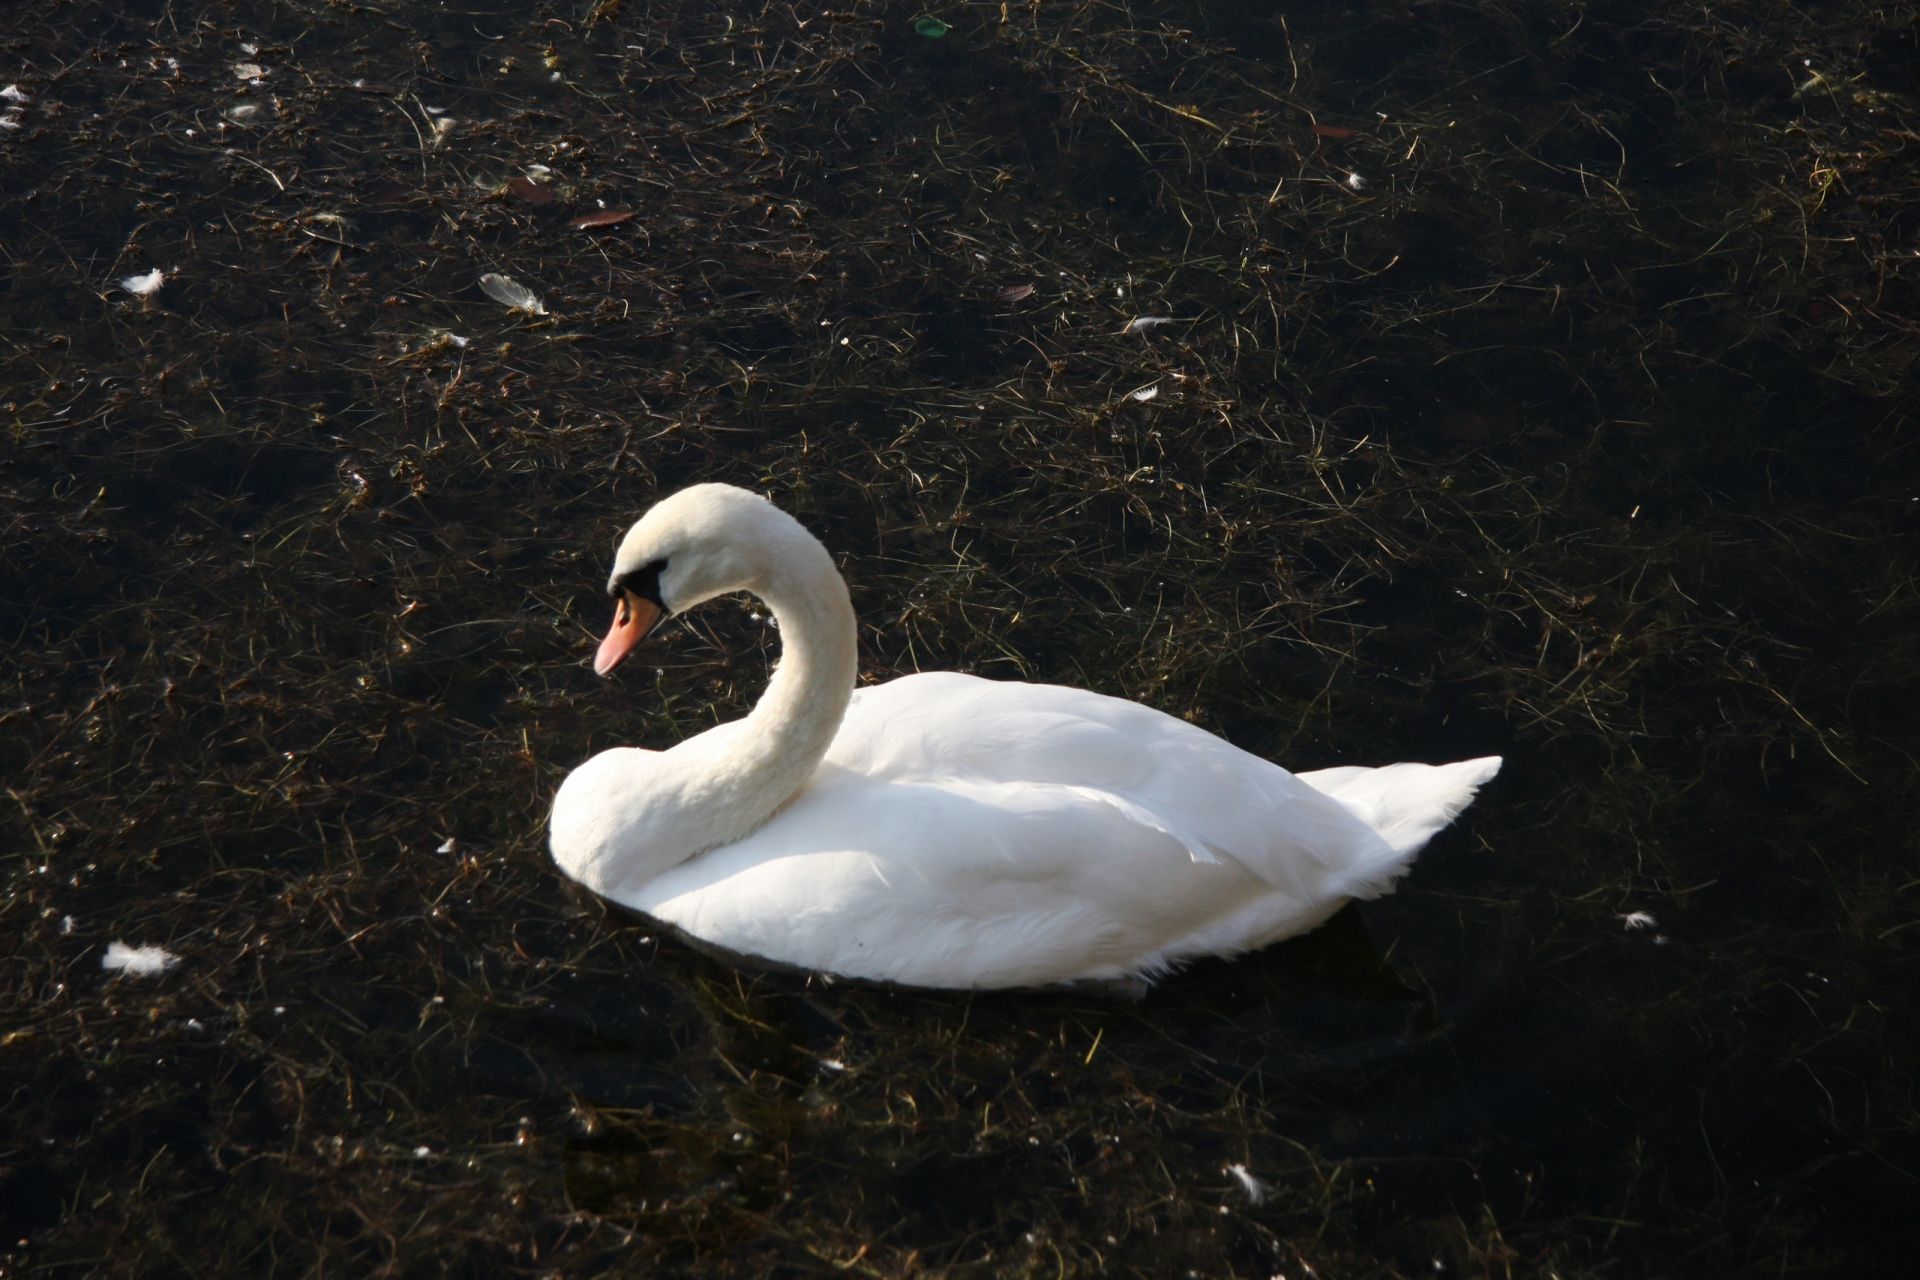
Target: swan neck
626 817
793 724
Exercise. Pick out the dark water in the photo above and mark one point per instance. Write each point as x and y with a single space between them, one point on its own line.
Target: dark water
1536 381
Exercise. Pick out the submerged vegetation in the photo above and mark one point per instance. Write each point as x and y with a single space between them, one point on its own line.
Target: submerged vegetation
1368 382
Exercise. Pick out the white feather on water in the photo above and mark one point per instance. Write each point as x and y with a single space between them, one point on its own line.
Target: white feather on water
509 292
137 962
1256 1190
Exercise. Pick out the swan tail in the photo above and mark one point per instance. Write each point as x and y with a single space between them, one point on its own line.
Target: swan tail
1407 804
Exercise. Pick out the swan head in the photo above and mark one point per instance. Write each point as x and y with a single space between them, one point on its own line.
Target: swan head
705 541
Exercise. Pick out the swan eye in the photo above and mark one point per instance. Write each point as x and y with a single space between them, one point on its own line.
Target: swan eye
637 585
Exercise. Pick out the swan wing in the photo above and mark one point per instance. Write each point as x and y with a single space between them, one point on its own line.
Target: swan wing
957 883
967 832
1215 801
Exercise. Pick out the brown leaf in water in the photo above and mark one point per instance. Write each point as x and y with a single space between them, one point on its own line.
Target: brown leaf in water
604 218
529 190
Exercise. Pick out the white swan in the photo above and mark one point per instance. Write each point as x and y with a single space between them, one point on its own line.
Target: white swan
944 830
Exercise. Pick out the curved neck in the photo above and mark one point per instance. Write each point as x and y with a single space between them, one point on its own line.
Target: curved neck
626 816
775 750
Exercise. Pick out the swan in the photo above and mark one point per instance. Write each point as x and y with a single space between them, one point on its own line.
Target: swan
946 830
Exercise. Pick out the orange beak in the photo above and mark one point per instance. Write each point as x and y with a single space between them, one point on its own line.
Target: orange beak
632 619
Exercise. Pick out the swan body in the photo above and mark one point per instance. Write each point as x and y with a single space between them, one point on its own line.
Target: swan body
945 830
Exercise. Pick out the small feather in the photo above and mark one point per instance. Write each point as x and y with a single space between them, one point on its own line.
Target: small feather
137 962
509 292
1256 1190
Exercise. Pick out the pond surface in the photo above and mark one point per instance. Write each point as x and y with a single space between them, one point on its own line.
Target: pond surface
1364 383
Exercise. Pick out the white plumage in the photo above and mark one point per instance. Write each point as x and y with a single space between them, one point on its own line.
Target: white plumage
945 830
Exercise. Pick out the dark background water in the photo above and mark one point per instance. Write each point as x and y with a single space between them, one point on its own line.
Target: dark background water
1539 380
